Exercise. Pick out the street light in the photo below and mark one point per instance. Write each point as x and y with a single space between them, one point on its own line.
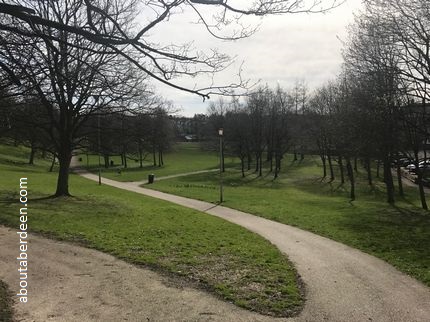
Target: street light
220 133
98 143
96 99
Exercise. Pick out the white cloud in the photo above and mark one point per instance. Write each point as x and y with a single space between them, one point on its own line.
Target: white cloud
286 48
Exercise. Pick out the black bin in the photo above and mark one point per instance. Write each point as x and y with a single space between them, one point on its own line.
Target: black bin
151 178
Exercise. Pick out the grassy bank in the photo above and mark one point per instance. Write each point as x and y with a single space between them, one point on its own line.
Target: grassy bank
193 247
183 158
399 234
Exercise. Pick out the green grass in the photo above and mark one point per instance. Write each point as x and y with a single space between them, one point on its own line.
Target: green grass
185 157
398 234
205 251
6 312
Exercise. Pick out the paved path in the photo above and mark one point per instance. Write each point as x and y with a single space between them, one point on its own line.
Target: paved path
175 176
343 284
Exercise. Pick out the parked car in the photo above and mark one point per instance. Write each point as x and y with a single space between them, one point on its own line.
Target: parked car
424 164
404 161
410 167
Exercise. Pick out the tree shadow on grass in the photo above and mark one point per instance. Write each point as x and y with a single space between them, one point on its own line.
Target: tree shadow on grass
10 197
13 162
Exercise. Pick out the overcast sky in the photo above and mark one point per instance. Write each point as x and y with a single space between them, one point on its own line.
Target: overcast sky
284 50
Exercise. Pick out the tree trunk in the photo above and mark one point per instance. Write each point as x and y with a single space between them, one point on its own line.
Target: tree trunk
369 171
242 164
302 156
388 179
260 171
141 158
32 153
378 165
342 175
350 173
355 164
52 163
271 161
324 165
295 156
153 156
64 158
421 190
399 176
106 159
277 165
330 167
125 160
420 182
249 161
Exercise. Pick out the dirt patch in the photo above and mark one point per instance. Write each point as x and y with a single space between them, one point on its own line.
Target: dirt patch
6 311
72 283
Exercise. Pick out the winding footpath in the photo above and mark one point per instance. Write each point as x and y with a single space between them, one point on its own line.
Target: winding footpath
72 283
342 283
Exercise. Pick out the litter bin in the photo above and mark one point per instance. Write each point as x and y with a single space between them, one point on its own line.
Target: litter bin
151 178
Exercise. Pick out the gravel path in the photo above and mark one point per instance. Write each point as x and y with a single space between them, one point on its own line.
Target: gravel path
343 284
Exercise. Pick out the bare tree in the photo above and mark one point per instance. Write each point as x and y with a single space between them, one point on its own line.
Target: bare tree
60 52
373 59
258 104
103 23
407 26
72 77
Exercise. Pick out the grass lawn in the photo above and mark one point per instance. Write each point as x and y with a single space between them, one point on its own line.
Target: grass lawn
5 304
204 251
184 157
399 234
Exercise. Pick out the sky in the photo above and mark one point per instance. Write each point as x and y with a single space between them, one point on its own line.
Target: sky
285 49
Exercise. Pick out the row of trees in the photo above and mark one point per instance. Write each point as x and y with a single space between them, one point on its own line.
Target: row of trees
81 58
269 124
375 111
130 135
377 108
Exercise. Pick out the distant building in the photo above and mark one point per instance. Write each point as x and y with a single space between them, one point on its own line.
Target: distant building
189 129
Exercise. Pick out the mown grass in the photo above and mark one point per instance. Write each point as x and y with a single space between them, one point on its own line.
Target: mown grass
193 247
185 157
399 234
6 312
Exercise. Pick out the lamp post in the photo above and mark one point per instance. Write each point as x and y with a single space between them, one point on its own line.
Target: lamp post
98 141
220 133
